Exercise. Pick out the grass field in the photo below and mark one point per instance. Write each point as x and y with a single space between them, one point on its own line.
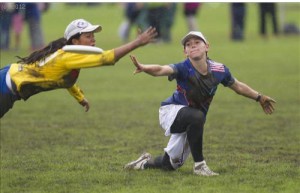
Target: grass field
49 144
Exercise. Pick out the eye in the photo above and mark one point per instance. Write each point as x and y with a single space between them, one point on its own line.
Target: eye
88 35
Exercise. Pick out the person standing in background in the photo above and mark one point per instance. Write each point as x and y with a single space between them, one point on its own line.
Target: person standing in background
168 22
156 16
134 15
238 13
6 10
267 9
33 18
17 23
190 11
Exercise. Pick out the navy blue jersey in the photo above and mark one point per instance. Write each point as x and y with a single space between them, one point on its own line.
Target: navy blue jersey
194 89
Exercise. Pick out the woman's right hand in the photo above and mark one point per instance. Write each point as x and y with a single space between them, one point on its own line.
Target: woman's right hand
147 36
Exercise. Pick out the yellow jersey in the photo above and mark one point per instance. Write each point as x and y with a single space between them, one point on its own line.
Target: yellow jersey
58 70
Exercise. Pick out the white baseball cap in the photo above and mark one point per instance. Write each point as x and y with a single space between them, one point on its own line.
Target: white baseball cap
80 26
191 34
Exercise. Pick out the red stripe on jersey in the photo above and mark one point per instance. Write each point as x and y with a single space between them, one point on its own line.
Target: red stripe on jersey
217 67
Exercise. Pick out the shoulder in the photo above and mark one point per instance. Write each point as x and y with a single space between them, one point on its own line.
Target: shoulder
216 66
179 69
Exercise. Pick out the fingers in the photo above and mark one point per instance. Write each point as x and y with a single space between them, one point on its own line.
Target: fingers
151 30
267 104
134 60
87 107
85 104
153 33
136 63
272 100
148 35
268 107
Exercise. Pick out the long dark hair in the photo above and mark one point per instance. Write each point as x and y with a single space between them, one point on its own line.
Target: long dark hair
46 51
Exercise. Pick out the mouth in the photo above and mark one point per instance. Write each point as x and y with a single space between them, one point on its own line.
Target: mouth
194 51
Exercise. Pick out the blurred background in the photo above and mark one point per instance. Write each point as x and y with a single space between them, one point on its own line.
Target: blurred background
30 26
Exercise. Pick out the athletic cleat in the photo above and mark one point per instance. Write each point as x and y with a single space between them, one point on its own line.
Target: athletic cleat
203 169
139 163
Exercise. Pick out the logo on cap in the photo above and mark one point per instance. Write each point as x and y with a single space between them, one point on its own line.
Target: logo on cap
82 24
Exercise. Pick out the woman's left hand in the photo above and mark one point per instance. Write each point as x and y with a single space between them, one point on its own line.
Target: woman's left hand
85 104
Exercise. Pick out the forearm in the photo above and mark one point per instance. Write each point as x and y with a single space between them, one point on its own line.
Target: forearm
249 92
245 90
76 92
125 49
154 70
143 38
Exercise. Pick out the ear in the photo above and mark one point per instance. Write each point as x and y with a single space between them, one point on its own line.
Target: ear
207 47
75 41
185 53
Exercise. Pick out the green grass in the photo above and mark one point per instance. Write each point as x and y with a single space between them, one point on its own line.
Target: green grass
49 144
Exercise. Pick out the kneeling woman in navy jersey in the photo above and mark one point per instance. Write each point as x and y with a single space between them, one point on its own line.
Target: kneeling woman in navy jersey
183 114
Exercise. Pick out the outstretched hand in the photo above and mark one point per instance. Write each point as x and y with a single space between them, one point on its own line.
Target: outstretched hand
139 66
147 36
267 104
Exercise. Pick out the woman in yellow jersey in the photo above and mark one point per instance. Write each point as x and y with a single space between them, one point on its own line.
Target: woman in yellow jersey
52 68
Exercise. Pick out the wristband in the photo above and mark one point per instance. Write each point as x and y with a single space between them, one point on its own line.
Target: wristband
258 97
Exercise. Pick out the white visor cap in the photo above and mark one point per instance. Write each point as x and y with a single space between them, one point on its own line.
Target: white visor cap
80 26
193 34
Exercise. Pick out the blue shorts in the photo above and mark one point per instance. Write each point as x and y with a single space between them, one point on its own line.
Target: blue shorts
7 98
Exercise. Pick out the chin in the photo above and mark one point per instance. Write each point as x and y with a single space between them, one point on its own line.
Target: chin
196 58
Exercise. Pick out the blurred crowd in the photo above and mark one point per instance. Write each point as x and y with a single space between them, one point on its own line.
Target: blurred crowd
138 15
13 17
161 16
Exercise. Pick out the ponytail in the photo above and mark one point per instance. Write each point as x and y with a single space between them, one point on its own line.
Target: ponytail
44 52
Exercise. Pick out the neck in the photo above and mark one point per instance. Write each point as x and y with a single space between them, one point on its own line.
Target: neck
200 65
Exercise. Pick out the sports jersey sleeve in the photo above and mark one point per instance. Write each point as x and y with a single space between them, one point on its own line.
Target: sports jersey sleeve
173 76
76 92
228 79
77 61
178 71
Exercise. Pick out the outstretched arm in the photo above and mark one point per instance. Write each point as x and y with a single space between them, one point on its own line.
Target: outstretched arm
265 101
152 69
142 39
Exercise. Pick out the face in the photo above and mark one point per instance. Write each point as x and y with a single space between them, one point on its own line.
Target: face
195 48
86 39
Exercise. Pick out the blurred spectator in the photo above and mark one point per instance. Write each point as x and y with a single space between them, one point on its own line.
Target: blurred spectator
6 10
190 11
134 15
268 10
285 26
168 22
238 13
17 23
157 17
33 18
